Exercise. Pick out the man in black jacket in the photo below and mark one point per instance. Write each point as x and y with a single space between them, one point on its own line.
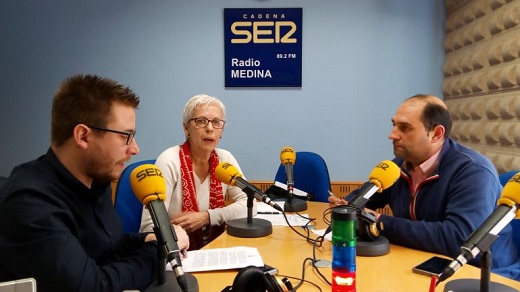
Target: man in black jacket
57 221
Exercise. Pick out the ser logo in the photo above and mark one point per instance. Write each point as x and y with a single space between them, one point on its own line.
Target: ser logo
226 165
148 172
287 150
515 178
383 165
231 172
262 32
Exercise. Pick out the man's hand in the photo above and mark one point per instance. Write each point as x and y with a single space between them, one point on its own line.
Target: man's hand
183 241
369 211
150 237
335 201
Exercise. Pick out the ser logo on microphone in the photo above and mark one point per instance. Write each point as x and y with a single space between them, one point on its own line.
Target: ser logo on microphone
287 150
383 165
515 178
147 172
225 165
230 170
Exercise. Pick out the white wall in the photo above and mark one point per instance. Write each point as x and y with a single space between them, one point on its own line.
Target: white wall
360 60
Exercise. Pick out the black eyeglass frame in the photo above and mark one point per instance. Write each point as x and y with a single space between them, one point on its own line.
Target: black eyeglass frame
207 121
129 135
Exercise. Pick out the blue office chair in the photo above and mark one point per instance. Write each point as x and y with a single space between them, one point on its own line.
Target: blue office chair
311 175
127 206
515 223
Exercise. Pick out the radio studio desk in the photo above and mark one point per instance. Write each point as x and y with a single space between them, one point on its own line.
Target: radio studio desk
286 250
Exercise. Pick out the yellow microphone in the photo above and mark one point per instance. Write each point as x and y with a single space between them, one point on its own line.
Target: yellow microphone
148 183
288 158
149 187
228 174
480 240
511 193
287 155
383 176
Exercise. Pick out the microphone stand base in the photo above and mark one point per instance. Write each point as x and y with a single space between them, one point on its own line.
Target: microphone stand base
379 247
473 285
171 284
295 205
256 228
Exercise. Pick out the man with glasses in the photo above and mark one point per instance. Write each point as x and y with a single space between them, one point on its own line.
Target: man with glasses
194 196
57 221
129 135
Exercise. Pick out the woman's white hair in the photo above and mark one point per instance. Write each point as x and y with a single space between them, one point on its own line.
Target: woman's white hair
201 100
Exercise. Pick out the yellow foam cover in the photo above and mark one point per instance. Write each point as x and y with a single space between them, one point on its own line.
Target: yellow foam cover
227 173
384 174
511 193
148 183
287 155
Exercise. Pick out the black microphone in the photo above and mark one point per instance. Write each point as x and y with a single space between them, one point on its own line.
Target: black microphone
481 239
228 174
149 187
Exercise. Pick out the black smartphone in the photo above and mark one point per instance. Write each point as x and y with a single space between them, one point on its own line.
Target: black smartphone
432 266
269 269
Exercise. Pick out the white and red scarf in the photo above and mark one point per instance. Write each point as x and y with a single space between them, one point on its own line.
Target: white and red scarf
189 195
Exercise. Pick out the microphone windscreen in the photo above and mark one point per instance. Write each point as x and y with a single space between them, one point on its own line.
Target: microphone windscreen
227 173
385 174
287 155
511 193
148 183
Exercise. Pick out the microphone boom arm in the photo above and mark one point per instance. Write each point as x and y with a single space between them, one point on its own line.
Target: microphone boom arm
250 189
368 189
167 238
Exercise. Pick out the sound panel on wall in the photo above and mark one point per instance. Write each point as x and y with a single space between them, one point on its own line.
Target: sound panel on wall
482 77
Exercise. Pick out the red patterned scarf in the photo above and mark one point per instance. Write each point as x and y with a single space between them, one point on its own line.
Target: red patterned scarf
189 200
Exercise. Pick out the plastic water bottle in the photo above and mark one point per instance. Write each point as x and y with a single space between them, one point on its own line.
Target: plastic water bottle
344 222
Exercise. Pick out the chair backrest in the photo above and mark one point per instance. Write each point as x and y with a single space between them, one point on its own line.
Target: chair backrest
504 177
515 223
127 206
310 175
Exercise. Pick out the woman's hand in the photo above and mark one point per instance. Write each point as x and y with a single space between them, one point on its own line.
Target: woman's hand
192 221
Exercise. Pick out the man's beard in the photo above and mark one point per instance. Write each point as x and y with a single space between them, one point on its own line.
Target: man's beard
99 170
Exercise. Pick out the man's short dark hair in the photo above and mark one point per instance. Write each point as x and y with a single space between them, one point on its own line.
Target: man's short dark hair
434 113
86 99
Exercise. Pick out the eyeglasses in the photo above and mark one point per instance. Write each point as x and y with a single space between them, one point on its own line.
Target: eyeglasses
129 135
202 122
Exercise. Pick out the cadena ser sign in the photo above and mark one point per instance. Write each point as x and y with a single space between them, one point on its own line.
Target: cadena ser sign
263 47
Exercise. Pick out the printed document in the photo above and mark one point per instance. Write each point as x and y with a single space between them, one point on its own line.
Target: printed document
221 259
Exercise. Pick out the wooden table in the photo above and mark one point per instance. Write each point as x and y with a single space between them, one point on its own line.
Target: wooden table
286 250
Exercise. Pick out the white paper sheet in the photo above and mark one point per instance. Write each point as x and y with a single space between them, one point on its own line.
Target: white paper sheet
221 259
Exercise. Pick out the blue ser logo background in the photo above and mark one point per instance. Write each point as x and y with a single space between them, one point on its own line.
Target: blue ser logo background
263 47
